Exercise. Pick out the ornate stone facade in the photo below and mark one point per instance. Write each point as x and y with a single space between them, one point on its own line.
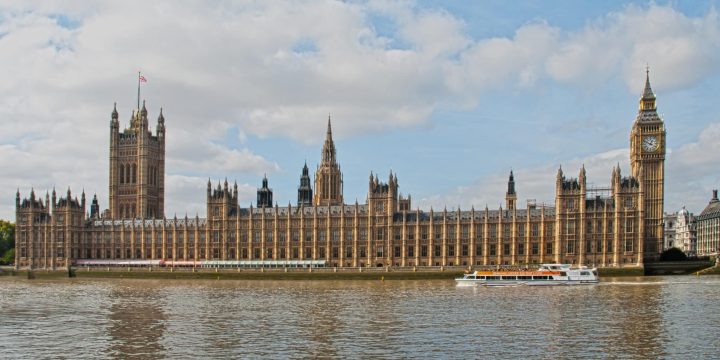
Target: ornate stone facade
617 225
708 228
137 167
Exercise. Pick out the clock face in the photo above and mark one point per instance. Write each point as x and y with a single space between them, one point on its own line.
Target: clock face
650 143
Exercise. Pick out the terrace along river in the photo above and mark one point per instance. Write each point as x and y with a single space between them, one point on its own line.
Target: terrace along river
651 317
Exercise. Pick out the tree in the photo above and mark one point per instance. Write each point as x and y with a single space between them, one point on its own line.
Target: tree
7 238
9 257
673 254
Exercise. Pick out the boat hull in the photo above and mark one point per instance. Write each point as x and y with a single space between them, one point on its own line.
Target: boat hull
492 283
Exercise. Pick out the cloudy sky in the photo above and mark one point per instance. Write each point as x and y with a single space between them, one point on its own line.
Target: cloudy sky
449 95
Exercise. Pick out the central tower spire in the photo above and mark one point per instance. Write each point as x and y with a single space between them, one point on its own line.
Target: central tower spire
328 151
328 178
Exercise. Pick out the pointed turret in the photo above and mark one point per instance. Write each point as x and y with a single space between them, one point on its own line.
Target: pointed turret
328 157
648 107
114 114
328 178
94 208
304 192
511 196
329 129
511 184
264 195
647 92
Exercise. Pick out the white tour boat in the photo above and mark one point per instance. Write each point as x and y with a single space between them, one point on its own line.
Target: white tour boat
547 274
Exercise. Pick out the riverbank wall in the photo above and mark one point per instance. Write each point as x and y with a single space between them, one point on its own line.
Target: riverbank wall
425 273
677 267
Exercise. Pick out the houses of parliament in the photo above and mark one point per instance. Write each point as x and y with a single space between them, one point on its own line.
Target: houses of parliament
613 226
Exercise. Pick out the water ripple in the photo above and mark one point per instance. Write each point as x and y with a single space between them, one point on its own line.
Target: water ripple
662 317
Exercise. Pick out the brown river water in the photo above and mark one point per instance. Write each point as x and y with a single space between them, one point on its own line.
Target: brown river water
650 317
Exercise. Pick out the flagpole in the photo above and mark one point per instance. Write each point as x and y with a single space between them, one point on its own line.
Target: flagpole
138 103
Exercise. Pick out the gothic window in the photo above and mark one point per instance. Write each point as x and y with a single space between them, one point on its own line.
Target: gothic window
629 226
122 174
628 245
424 251
521 249
397 251
464 250
410 251
134 174
478 250
348 252
570 247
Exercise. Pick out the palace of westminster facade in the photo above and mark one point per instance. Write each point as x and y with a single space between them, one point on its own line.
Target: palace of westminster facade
619 225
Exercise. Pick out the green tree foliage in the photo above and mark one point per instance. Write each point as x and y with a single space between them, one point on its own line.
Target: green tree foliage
9 257
673 254
7 240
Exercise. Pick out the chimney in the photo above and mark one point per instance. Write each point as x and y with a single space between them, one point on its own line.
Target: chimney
715 195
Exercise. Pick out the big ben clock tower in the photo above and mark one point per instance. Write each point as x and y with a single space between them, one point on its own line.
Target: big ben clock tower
647 161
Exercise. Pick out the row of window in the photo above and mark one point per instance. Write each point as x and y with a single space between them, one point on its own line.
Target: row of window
128 174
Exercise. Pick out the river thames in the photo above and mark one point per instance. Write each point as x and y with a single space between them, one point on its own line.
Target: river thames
650 317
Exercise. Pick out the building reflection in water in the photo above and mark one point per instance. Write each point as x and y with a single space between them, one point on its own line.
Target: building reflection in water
637 310
137 322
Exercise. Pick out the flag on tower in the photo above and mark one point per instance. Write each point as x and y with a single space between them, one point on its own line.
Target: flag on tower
141 78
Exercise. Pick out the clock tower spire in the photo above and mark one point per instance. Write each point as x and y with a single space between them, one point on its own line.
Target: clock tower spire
647 162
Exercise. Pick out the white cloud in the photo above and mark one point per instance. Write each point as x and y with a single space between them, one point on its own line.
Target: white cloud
277 68
680 49
536 183
691 172
186 195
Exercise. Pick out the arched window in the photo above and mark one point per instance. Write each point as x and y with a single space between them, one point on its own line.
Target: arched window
127 174
134 173
122 174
